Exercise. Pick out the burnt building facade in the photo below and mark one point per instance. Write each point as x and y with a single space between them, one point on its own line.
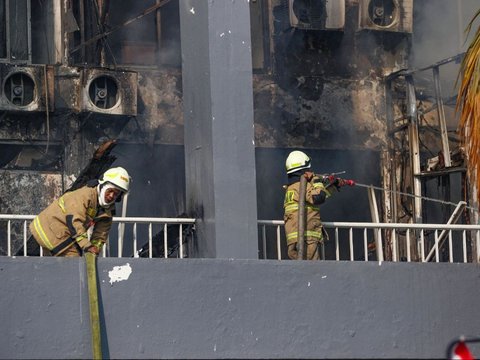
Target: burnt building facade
77 73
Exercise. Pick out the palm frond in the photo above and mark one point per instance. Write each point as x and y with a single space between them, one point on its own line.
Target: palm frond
468 104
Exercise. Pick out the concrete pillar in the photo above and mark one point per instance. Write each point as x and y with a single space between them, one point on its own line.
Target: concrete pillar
218 119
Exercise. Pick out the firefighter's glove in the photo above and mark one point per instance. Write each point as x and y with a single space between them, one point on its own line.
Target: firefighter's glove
350 182
337 182
329 180
93 249
343 182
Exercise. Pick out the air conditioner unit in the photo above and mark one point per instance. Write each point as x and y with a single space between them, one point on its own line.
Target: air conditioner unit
386 15
109 92
317 14
24 89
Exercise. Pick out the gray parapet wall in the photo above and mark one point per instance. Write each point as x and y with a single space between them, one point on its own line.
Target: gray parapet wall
214 308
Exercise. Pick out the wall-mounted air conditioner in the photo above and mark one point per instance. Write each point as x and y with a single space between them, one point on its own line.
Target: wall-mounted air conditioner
109 92
24 88
317 14
386 15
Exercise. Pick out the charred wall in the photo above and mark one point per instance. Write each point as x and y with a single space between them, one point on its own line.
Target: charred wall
326 89
315 89
348 114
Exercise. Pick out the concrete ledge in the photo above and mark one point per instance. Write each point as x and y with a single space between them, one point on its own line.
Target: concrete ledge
213 308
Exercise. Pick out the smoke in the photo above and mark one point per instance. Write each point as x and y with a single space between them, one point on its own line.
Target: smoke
158 175
439 33
152 39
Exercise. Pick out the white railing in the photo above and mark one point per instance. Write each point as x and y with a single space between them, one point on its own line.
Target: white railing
381 241
350 241
165 237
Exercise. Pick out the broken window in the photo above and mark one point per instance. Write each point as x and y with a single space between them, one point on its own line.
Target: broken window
15 31
137 33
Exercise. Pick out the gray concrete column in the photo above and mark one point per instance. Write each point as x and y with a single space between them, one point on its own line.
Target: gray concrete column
218 119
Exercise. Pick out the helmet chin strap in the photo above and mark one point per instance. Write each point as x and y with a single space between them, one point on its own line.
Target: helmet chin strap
102 190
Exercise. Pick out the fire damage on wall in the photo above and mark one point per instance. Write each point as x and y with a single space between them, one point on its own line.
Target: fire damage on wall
82 73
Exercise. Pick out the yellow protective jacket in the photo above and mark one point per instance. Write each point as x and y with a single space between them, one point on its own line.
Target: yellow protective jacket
313 198
50 227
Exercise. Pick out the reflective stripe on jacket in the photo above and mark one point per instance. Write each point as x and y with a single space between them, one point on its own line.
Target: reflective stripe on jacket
313 225
50 227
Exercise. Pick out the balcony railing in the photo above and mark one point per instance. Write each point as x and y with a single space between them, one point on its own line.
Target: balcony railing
136 237
363 241
348 241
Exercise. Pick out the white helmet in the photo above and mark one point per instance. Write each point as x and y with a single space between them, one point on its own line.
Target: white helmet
297 160
117 176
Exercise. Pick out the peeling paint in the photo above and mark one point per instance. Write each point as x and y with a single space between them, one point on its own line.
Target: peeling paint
120 273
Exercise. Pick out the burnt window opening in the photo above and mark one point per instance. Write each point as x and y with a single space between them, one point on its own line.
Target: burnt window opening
3 30
307 11
31 157
42 32
260 36
15 34
152 39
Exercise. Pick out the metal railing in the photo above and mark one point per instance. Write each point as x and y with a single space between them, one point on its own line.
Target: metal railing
363 241
349 241
164 237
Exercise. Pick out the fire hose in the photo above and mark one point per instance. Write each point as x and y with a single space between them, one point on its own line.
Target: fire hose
93 301
414 196
355 183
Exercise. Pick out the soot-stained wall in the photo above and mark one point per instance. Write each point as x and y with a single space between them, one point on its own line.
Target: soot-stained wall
318 90
210 308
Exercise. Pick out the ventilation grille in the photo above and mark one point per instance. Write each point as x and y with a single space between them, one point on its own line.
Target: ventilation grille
386 15
109 92
23 88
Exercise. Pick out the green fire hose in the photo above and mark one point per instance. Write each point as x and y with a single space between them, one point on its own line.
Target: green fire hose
93 301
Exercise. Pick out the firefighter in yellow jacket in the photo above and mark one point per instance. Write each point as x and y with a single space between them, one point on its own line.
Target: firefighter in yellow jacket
62 228
318 189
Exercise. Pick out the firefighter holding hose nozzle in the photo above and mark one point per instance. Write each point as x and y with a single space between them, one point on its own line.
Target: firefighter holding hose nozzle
304 193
